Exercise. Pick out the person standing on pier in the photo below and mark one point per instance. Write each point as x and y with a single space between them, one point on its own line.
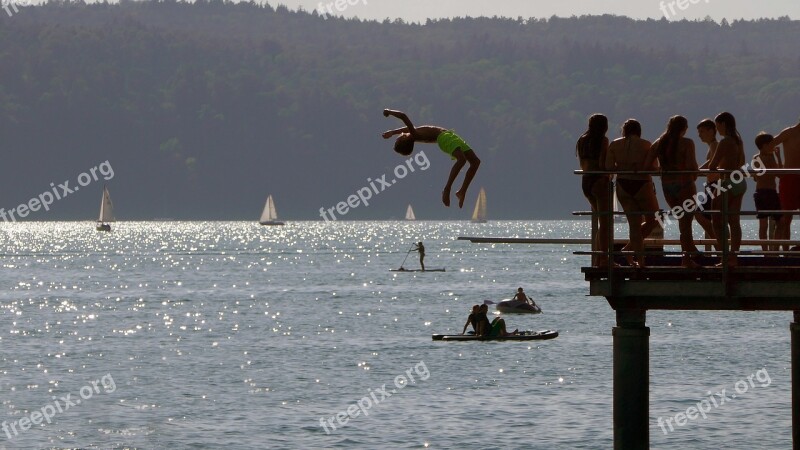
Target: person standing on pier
766 195
729 156
707 132
591 152
636 193
789 184
675 152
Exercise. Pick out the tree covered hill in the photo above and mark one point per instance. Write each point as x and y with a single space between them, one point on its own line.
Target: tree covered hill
205 108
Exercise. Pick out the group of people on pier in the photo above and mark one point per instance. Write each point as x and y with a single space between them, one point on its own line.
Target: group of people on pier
672 155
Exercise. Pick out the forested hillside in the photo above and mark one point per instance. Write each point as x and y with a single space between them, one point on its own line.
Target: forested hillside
205 108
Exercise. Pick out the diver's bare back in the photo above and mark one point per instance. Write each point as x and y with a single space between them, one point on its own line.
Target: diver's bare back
427 133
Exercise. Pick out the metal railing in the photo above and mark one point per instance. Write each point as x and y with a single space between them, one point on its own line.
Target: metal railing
725 252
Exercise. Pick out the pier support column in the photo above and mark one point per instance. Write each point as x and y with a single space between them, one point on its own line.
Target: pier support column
795 330
632 380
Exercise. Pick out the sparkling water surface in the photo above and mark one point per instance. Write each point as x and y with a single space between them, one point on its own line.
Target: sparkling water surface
232 335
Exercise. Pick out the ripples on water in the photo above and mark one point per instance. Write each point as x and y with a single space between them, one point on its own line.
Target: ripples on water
235 335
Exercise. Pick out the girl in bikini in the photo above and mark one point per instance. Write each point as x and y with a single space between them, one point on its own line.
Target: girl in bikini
591 151
675 152
729 156
636 193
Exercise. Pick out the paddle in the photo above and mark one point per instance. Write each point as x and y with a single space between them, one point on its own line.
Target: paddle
407 253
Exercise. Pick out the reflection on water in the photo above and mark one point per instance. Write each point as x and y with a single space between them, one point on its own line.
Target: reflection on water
232 334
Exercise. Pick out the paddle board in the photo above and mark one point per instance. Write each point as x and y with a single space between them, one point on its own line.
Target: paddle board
526 336
417 270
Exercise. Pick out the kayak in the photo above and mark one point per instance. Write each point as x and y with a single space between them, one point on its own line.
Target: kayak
416 270
523 336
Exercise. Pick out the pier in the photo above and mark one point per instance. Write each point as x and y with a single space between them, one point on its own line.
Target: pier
762 281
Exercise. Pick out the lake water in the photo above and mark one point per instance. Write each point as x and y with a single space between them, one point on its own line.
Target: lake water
171 335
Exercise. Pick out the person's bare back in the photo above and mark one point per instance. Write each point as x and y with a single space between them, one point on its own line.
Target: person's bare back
790 140
629 154
684 160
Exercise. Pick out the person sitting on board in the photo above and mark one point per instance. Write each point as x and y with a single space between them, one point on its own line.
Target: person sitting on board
421 249
448 142
482 325
495 328
498 328
472 319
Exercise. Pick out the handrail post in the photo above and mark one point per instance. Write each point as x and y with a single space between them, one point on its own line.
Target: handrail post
609 217
725 237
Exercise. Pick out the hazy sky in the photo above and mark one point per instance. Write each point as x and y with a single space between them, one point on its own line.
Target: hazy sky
419 10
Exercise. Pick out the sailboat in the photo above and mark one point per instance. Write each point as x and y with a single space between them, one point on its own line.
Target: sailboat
269 216
106 212
410 214
479 215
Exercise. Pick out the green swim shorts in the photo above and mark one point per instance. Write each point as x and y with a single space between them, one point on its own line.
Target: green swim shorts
496 327
449 142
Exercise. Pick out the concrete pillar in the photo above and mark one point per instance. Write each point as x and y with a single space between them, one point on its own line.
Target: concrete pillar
632 381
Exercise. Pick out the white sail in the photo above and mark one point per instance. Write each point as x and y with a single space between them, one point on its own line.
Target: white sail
272 212
410 214
269 214
479 215
106 208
